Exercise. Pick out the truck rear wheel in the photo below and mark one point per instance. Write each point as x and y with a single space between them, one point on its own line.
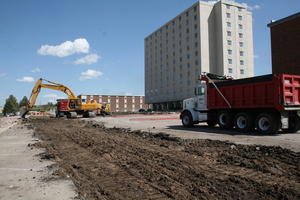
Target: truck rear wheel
244 122
294 124
187 119
225 119
267 123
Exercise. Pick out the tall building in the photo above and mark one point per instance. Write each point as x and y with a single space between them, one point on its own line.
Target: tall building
206 37
285 42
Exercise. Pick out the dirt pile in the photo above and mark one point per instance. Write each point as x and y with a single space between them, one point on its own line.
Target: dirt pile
9 121
119 163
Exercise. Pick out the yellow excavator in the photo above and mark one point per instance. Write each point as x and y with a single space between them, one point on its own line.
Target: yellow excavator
74 106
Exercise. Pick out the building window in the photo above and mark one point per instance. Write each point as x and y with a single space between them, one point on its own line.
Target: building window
196 53
195 26
240 9
229 61
240 17
230 70
187 30
195 9
195 17
196 35
228 6
229 42
228 33
187 47
187 22
228 24
187 14
241 35
242 71
240 26
196 44
241 53
241 44
228 15
229 52
241 62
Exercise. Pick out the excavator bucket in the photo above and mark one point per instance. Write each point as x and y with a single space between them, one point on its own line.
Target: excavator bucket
23 111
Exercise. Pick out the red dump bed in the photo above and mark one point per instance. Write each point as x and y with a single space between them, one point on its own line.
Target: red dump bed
281 91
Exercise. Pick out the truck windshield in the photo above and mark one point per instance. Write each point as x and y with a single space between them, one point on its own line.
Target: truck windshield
199 90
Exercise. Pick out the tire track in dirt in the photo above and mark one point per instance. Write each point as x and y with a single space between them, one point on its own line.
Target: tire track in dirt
119 163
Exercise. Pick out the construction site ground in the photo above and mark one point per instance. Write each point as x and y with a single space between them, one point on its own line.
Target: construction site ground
144 156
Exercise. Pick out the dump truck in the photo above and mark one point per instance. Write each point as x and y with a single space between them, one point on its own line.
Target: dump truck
74 105
266 103
62 108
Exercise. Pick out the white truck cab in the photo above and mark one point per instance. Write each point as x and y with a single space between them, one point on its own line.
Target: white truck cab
194 109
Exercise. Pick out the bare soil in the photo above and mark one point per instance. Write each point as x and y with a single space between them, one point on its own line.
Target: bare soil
118 163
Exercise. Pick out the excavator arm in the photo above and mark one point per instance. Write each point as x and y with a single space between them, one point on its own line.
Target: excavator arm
36 90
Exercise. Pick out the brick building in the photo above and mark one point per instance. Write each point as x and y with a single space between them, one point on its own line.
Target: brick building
285 44
118 103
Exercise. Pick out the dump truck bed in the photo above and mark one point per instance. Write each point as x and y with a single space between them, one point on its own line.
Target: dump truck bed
281 91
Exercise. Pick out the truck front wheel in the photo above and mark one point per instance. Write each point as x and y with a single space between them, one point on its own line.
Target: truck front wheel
244 122
187 119
267 123
225 119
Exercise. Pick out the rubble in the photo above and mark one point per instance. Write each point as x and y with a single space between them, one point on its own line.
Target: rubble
6 122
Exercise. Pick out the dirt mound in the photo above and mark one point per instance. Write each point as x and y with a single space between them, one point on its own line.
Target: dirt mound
119 163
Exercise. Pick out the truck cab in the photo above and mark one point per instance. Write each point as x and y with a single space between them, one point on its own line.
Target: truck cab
195 108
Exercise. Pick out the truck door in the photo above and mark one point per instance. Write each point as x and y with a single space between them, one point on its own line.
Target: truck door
201 97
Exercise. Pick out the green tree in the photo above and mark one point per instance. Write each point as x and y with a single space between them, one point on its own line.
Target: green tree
24 101
11 105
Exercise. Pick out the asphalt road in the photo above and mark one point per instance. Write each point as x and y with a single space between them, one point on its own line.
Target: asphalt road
171 124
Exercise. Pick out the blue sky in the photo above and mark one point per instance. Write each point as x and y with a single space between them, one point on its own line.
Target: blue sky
97 46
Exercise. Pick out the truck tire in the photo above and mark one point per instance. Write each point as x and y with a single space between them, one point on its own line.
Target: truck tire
72 115
244 122
294 124
187 119
211 123
61 114
267 123
225 119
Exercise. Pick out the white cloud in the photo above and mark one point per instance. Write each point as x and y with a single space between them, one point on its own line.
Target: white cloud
50 95
67 48
26 79
89 59
90 74
2 74
256 56
36 70
54 96
256 7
